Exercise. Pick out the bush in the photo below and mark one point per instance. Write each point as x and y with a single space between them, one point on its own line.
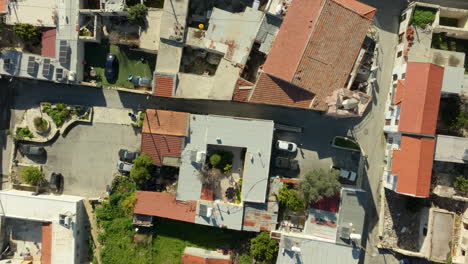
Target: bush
27 33
40 124
263 249
461 184
32 175
346 143
23 132
423 16
245 259
227 169
141 170
318 184
460 121
60 114
137 14
290 198
215 159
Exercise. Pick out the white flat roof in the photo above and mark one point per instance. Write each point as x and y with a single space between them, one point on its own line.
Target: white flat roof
47 208
253 134
35 12
451 149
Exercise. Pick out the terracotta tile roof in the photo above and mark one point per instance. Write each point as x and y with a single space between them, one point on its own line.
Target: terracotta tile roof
420 98
413 165
48 42
191 259
3 6
46 243
399 92
166 122
163 85
318 44
159 146
164 205
271 90
242 95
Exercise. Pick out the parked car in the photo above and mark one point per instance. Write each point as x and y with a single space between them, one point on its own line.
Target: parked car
56 182
111 64
349 175
286 146
285 163
127 156
31 150
124 167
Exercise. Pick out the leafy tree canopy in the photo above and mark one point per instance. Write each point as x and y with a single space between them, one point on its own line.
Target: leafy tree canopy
318 184
263 248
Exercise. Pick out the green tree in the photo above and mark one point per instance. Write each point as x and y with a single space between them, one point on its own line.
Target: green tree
137 14
461 184
27 32
290 198
318 184
215 159
423 16
263 249
32 175
141 170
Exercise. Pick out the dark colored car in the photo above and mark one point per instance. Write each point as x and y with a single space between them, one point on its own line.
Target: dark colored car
111 61
31 150
56 182
285 163
128 156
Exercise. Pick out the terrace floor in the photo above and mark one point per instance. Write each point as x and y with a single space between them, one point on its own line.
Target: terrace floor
133 62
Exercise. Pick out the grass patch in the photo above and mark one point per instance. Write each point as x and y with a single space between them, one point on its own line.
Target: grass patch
423 16
129 61
173 236
346 143
23 132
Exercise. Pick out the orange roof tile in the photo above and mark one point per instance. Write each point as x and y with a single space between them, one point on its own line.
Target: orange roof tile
46 243
400 90
317 45
48 43
412 164
3 6
160 146
166 122
242 95
164 205
421 98
271 90
191 259
163 85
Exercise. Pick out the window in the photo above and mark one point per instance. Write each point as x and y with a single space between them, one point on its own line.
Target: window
395 77
399 54
463 252
403 17
400 37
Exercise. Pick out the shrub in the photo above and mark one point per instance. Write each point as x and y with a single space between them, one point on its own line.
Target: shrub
346 143
460 121
461 184
60 114
263 249
40 124
227 169
318 184
137 14
32 175
245 259
23 132
141 170
290 198
423 16
215 159
27 32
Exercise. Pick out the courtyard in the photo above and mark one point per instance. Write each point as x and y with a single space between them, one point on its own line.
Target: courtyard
129 62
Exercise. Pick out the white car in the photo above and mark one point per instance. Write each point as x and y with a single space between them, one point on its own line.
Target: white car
349 175
286 145
124 167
